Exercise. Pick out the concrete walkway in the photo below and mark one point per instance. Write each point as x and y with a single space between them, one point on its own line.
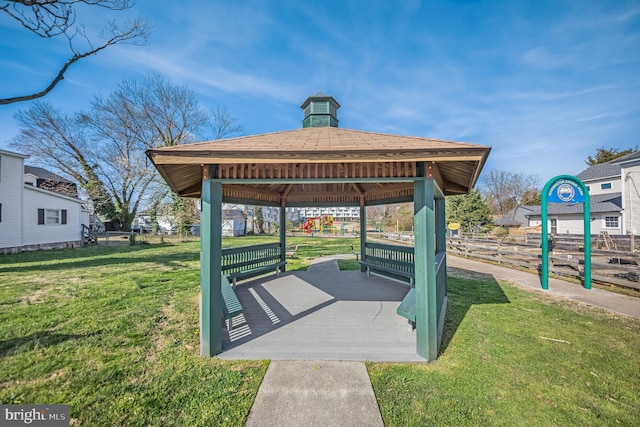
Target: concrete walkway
328 263
315 393
618 303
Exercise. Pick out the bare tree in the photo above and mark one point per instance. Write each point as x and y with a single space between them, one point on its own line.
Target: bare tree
55 140
57 18
104 147
375 214
223 123
504 190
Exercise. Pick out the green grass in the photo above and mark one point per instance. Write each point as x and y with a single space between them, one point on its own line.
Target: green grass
310 248
114 333
499 366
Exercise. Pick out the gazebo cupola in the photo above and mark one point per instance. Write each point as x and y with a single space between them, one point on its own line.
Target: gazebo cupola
320 111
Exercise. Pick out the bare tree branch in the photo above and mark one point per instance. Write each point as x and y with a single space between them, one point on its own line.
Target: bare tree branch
223 123
51 18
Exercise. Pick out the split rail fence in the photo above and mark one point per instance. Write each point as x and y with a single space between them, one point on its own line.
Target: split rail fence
608 266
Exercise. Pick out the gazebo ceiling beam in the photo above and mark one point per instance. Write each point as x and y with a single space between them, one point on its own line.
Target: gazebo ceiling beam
195 188
395 187
287 190
453 188
358 189
252 190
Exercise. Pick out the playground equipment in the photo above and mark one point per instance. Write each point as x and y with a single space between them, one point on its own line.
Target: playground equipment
309 225
324 223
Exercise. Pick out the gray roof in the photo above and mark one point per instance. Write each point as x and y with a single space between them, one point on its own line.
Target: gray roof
600 203
629 157
606 170
599 171
44 174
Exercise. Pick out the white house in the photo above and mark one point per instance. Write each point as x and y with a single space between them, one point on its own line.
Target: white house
614 193
32 214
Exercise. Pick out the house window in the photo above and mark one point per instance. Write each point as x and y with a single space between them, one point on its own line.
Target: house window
611 221
52 216
554 226
605 186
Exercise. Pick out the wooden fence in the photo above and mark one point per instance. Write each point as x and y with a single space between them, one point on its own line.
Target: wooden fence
615 267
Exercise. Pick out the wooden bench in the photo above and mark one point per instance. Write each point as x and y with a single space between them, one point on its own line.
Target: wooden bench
245 274
231 306
291 254
389 271
407 308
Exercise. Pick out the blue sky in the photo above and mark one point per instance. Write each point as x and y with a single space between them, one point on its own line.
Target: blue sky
544 83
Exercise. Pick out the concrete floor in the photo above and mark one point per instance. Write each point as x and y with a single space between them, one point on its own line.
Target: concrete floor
321 314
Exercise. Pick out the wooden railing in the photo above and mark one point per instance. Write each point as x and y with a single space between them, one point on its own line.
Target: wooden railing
245 258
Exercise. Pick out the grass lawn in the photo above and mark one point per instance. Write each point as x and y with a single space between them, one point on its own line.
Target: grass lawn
513 357
114 333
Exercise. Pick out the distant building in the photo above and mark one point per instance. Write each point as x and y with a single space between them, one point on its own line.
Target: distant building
338 213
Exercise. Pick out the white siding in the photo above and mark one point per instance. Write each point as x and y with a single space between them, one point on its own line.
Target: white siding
34 233
631 198
11 172
595 186
572 224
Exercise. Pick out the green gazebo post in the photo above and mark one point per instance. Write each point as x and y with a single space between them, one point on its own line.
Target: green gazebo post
210 264
425 272
363 233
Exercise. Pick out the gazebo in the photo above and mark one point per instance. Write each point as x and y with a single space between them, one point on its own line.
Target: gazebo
324 165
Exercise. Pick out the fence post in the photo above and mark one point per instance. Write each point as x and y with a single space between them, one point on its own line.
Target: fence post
632 242
499 252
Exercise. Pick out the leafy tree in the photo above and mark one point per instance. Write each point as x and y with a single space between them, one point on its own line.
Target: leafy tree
470 210
505 190
399 217
58 18
604 155
103 149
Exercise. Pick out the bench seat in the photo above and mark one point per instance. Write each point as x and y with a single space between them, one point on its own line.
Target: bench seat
390 271
407 307
292 253
245 274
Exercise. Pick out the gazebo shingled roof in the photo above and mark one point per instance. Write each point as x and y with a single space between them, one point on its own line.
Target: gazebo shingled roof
317 153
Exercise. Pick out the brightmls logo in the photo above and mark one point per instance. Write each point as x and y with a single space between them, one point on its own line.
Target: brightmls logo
35 415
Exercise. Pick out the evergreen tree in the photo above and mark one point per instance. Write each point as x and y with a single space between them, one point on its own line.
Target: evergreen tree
471 211
604 155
